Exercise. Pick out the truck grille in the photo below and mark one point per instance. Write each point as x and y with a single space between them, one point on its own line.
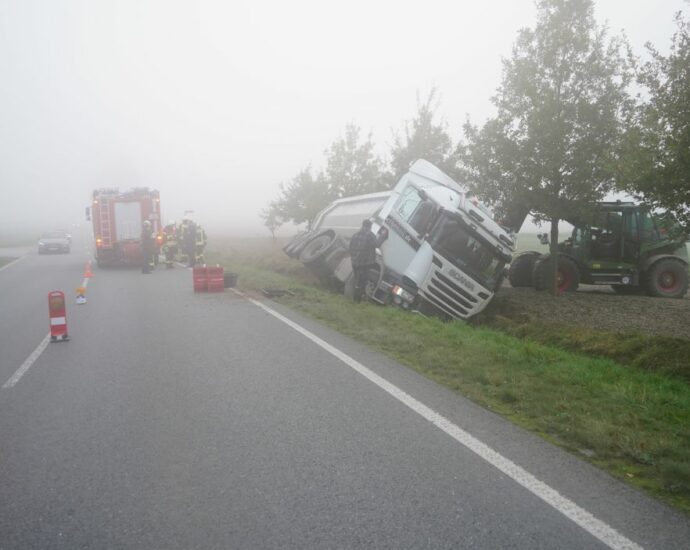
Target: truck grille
449 297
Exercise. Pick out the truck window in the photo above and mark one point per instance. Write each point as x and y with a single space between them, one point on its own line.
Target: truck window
414 210
408 202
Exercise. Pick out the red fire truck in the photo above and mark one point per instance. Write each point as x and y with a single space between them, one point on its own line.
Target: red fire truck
117 223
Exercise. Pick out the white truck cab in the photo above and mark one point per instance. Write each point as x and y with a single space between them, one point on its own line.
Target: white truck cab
444 251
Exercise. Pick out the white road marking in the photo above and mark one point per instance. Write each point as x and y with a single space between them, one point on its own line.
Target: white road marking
602 531
30 360
12 262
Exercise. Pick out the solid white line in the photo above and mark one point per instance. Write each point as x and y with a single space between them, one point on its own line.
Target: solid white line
12 262
30 360
605 533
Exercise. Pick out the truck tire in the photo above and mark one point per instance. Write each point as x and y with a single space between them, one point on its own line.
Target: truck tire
668 278
318 247
291 248
520 271
568 274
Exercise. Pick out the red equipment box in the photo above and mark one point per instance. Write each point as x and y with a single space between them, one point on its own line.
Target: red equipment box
215 279
200 279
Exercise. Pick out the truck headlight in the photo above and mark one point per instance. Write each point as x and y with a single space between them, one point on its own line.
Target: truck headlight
403 294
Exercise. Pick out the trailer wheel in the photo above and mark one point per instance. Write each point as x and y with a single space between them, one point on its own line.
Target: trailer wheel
568 275
291 248
520 271
318 247
668 279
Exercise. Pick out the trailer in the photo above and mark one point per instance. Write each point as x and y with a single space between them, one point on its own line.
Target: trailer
118 221
444 254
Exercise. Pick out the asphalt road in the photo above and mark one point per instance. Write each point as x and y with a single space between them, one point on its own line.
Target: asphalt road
181 420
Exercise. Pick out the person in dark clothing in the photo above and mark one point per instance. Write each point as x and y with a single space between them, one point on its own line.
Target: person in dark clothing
148 246
363 255
190 243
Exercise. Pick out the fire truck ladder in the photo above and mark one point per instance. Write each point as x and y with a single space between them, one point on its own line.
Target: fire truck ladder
104 217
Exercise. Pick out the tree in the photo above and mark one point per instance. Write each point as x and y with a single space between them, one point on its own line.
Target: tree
422 138
553 145
657 166
299 200
352 168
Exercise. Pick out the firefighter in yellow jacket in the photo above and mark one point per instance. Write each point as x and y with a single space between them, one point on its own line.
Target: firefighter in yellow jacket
170 244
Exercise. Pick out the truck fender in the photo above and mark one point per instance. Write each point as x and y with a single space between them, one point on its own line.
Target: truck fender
649 262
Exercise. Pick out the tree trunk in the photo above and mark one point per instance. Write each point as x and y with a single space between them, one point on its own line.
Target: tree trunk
553 250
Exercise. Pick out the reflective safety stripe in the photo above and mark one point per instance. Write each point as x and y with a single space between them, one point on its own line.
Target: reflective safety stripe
57 321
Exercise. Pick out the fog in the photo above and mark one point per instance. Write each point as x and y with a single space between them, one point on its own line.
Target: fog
215 103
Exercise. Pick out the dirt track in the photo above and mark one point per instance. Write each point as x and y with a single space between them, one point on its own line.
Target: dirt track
600 307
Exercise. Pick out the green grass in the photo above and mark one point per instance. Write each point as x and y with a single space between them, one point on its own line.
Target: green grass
630 420
4 260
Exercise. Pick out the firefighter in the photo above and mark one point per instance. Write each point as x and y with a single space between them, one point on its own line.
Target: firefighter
170 244
148 246
200 244
182 231
188 242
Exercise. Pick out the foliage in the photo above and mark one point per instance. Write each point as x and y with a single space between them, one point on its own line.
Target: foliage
299 200
657 165
422 138
552 147
352 168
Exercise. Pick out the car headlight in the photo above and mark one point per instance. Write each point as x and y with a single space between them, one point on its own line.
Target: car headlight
41 243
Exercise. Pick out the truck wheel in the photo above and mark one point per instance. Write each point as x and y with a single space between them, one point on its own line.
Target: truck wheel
520 271
318 247
568 275
291 248
668 279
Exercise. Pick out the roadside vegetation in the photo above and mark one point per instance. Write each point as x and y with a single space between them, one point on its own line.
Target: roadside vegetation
4 260
620 401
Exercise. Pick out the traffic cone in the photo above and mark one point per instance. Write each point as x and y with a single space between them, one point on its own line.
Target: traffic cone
87 272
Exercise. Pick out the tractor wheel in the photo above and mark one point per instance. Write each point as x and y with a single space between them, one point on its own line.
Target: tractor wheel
520 271
318 247
668 279
568 275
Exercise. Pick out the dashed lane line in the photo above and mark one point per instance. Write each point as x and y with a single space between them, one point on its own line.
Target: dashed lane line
594 526
12 262
30 360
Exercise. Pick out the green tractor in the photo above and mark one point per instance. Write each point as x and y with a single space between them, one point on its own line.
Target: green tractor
625 246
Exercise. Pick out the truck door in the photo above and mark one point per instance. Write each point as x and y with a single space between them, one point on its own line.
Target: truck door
403 241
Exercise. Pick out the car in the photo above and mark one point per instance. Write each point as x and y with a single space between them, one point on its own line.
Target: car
54 241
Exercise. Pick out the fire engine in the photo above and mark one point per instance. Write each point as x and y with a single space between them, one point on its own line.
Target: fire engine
117 223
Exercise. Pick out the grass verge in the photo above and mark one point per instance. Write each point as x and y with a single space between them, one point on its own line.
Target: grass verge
4 260
632 422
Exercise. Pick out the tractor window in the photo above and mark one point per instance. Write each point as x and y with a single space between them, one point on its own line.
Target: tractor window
606 236
648 229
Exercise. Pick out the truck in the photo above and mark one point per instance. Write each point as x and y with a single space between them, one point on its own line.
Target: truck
622 245
444 254
118 219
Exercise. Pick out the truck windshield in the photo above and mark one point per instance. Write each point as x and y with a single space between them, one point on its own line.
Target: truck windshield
465 249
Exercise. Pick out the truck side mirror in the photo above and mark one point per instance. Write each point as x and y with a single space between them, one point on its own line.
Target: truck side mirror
543 238
88 214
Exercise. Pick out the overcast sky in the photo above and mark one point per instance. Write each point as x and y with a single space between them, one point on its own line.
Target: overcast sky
215 103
